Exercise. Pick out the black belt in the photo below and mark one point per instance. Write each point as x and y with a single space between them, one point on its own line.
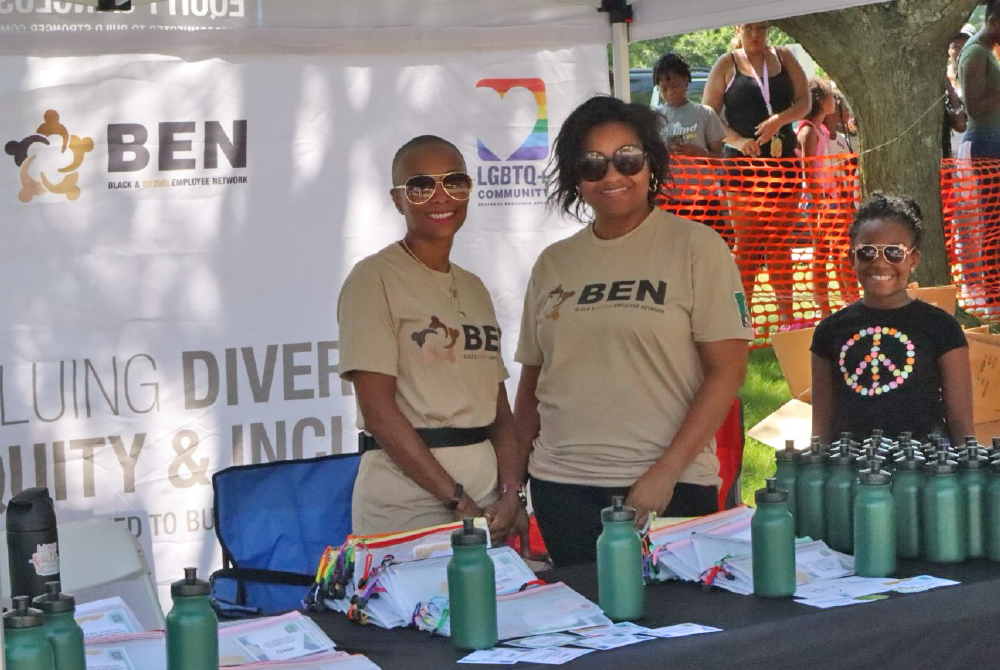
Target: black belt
434 437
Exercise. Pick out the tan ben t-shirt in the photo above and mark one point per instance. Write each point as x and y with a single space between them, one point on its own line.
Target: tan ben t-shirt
613 325
396 318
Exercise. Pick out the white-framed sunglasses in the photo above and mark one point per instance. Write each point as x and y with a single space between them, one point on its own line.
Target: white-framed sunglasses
893 253
420 187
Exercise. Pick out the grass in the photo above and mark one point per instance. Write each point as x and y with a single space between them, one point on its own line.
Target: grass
765 391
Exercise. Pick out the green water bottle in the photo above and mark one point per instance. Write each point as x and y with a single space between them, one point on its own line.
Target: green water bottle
25 646
874 524
972 467
472 590
786 471
61 629
620 591
993 512
907 488
838 500
810 513
772 538
192 627
944 515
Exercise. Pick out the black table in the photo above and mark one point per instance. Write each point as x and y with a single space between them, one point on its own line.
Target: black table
949 627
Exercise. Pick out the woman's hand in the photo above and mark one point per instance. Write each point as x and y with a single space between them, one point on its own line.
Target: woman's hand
651 493
505 515
768 128
747 146
467 508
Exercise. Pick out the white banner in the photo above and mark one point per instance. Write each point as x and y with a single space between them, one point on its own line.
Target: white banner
175 237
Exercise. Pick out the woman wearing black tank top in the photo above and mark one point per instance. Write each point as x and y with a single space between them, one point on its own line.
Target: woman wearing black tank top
759 91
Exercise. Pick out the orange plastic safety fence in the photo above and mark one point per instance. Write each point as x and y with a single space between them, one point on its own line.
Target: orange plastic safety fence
786 220
970 206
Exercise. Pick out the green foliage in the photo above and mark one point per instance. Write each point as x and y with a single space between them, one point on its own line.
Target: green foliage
700 49
763 392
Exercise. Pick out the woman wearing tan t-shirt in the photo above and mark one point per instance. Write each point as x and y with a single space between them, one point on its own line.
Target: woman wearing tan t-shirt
633 339
420 342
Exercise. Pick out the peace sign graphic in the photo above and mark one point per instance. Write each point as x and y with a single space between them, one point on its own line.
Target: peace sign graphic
886 364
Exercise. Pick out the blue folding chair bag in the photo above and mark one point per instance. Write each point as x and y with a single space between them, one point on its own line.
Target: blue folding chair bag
273 521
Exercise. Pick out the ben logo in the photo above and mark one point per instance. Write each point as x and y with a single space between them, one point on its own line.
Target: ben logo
554 300
49 159
437 342
525 108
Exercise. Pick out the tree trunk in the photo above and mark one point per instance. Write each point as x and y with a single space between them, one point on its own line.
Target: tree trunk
889 61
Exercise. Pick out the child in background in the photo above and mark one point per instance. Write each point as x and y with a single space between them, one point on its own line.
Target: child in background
691 129
813 135
819 186
889 361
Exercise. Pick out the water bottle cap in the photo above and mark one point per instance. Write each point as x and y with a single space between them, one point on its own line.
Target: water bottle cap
816 454
54 602
190 586
22 616
973 458
941 465
874 475
468 535
31 510
840 454
618 511
910 459
771 493
788 453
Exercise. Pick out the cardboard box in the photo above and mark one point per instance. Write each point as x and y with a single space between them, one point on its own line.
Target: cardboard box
793 420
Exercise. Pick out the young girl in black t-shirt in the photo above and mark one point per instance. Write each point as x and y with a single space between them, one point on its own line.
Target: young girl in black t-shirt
889 361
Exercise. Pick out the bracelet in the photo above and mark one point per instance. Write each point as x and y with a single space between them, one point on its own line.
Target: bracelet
522 497
456 497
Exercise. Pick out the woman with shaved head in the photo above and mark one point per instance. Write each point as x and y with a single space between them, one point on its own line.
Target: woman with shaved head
419 340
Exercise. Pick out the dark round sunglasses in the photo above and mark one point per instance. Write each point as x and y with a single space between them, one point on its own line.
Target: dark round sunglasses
628 160
420 188
893 253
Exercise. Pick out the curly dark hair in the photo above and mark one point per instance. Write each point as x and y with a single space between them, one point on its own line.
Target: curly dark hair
564 178
881 205
670 64
819 90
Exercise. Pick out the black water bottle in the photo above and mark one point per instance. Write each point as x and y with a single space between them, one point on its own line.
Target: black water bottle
32 543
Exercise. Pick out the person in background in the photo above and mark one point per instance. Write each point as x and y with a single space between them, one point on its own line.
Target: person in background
813 135
820 188
888 361
979 76
838 124
955 47
633 339
691 129
759 91
420 342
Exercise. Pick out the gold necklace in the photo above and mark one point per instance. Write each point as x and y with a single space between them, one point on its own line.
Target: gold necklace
452 291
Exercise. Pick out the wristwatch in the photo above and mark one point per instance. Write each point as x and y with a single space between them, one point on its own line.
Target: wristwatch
522 496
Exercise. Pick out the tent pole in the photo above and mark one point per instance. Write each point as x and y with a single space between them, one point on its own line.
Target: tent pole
619 16
619 61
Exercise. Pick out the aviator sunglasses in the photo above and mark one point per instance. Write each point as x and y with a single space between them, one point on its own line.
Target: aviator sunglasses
893 253
420 188
628 160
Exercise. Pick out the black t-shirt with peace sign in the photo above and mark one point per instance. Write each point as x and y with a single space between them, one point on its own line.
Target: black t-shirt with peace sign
885 364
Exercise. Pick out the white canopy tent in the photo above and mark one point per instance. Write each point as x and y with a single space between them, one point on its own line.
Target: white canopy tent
502 22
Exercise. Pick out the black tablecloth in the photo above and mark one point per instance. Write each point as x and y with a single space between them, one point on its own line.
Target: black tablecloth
949 627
